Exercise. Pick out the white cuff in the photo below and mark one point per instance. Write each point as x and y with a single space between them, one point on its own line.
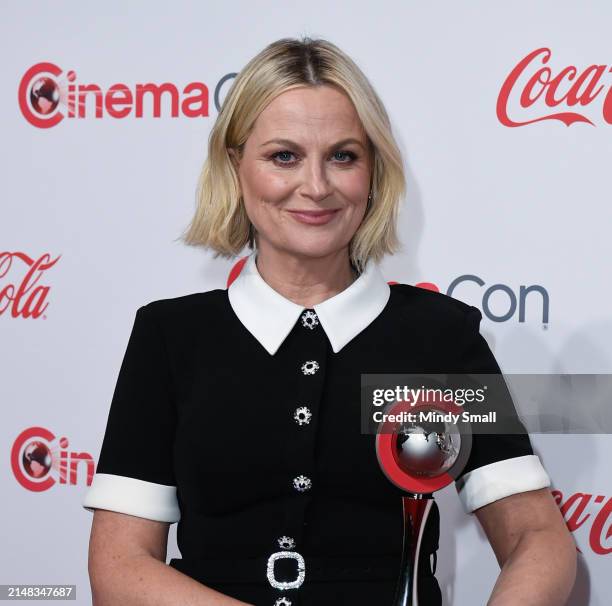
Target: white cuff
489 483
132 496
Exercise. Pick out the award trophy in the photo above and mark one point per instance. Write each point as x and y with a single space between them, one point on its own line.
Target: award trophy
420 455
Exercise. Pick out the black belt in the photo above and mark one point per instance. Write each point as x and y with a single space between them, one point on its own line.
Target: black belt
317 568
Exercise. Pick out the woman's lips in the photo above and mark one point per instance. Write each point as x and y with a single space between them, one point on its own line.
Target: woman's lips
314 217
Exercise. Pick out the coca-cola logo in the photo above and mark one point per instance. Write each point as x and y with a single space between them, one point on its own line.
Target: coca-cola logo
595 511
533 86
39 460
21 295
47 95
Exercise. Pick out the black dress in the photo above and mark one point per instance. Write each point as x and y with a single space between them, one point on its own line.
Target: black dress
237 413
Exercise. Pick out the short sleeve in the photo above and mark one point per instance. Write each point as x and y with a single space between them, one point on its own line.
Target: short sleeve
499 465
135 474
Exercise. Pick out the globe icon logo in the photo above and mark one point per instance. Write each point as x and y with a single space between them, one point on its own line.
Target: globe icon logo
44 95
427 449
36 459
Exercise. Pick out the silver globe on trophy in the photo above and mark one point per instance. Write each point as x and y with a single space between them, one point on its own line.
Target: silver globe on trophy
421 452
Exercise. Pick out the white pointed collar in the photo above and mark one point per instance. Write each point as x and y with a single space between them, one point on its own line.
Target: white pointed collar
270 317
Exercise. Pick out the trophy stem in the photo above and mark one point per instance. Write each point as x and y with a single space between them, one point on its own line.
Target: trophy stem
416 508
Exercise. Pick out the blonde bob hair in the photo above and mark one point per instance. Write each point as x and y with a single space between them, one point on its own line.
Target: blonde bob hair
220 221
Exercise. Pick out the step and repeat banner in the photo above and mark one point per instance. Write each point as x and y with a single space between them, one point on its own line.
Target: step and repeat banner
504 117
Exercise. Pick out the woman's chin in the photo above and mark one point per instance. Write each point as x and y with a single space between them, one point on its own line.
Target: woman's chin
309 242
316 250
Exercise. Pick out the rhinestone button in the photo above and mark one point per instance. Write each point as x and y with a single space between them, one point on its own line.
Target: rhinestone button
285 542
302 483
282 602
302 415
310 367
309 319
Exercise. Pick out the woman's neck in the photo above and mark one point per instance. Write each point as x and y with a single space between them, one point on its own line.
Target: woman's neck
305 280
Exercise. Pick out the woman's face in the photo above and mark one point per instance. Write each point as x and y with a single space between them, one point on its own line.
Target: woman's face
305 172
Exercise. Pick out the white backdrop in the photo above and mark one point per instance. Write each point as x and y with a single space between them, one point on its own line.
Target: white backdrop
101 200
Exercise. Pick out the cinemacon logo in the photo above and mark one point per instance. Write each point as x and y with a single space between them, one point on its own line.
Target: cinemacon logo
499 302
47 95
40 460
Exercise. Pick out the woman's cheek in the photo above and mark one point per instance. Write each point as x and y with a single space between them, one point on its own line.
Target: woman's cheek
274 188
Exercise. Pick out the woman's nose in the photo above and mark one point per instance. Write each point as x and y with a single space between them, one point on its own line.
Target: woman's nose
316 182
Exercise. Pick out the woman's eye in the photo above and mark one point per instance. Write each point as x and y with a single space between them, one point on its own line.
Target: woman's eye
350 156
283 157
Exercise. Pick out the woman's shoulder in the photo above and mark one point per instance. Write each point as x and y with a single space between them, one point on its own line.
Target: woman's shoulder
431 305
184 307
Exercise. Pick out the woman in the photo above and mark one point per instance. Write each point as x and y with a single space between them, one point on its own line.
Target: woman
237 410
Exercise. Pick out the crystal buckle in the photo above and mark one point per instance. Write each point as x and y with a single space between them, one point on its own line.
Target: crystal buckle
301 567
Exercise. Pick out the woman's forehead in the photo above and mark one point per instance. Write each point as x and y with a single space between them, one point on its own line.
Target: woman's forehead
307 110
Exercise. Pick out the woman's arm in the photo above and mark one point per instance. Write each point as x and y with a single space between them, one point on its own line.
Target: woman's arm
534 548
127 566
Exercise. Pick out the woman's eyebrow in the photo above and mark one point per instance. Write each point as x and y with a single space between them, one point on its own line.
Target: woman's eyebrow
290 143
